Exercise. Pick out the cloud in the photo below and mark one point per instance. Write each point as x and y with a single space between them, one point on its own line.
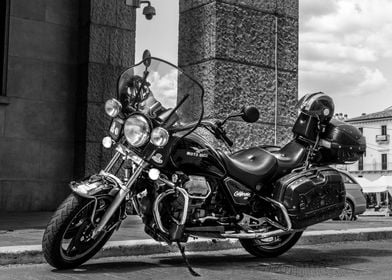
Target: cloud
337 50
345 46
164 87
312 8
373 80
340 79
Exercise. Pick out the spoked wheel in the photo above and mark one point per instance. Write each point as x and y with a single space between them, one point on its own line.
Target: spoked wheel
270 247
348 212
67 241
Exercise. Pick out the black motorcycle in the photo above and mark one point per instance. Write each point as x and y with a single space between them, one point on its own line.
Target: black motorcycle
165 168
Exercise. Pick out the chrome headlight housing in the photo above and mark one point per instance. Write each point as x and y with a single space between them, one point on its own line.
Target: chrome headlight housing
137 130
113 107
159 136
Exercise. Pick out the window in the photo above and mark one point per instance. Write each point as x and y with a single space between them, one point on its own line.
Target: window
4 24
360 163
384 165
383 130
346 179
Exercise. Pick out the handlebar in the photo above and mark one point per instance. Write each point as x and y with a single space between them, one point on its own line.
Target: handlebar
226 139
216 129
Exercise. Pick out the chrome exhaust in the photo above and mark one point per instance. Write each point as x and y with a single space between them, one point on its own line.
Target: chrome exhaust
256 235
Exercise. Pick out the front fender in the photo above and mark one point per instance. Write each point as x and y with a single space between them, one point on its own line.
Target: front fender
102 183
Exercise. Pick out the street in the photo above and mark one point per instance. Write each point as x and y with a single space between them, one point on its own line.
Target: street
350 260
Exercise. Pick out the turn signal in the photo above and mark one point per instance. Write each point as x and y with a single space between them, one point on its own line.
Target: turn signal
112 107
107 142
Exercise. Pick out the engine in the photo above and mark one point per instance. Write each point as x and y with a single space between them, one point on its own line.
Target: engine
163 207
198 190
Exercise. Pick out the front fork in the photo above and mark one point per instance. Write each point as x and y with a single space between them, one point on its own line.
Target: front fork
124 189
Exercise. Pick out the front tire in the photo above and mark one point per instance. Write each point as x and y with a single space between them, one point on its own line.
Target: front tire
66 242
270 247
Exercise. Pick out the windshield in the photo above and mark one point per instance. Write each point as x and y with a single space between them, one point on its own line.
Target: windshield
158 87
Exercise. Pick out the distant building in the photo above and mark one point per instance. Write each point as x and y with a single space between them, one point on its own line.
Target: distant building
377 128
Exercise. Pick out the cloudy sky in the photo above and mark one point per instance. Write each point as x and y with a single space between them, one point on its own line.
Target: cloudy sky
345 49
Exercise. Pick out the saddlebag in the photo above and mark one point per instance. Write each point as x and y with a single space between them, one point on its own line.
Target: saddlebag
311 196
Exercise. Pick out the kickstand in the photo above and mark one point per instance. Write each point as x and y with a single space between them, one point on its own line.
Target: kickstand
182 250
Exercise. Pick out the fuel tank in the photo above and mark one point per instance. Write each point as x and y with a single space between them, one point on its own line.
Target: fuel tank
194 155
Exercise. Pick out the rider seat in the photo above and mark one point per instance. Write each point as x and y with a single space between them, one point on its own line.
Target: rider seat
250 166
255 165
291 156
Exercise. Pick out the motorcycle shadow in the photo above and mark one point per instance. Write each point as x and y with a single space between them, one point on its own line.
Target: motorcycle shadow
234 259
111 267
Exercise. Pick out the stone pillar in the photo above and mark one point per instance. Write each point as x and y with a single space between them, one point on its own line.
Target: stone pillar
230 47
107 45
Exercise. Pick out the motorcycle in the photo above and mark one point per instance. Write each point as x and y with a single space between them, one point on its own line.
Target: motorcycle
165 168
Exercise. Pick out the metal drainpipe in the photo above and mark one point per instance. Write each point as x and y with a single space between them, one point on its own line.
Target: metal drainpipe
276 78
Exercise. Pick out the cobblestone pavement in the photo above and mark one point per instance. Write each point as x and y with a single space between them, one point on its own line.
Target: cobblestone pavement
350 260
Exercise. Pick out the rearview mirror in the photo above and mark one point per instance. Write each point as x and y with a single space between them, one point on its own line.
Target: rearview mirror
146 58
250 114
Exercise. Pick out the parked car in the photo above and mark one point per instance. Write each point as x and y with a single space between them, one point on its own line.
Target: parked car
355 199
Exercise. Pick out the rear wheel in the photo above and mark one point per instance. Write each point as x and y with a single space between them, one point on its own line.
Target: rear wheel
270 247
67 241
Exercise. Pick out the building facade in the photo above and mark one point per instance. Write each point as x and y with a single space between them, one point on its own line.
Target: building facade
60 60
377 128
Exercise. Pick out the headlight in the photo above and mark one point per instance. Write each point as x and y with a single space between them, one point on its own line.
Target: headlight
159 136
112 107
137 130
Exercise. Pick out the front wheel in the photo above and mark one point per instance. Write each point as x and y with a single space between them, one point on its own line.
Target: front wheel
270 247
67 241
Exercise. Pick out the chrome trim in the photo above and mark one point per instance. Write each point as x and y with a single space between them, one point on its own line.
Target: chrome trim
203 219
157 216
116 179
135 205
285 214
112 161
167 182
118 200
257 235
129 154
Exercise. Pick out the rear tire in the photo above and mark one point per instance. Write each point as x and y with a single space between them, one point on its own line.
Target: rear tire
72 221
268 248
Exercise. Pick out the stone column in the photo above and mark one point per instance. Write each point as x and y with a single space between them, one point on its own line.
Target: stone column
107 45
230 47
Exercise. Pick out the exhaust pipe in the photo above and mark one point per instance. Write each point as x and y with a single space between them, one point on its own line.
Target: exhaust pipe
256 235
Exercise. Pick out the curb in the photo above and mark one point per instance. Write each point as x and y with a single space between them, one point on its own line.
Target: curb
33 253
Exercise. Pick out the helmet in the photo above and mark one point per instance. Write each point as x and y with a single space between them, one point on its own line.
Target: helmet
317 105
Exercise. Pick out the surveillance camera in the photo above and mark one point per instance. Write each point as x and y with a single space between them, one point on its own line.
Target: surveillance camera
149 12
